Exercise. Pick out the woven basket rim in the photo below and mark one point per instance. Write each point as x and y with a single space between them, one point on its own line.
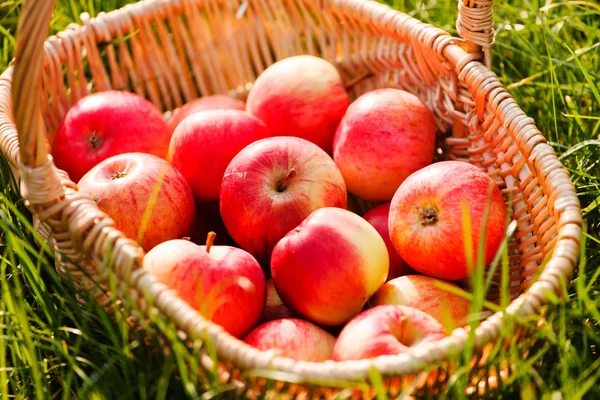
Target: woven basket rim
558 267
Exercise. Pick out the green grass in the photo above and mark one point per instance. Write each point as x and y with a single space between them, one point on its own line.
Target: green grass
546 54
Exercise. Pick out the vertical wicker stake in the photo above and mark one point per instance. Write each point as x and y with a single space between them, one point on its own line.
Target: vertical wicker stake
475 24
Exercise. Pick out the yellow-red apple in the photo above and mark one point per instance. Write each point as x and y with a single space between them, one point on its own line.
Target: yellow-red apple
385 330
427 218
386 135
271 186
225 284
274 307
327 267
214 102
148 199
205 143
293 338
379 217
105 124
300 96
428 295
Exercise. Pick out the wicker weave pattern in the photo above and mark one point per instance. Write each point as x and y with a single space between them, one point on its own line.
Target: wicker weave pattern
177 50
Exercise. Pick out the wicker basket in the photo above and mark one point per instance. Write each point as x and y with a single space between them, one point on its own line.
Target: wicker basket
177 50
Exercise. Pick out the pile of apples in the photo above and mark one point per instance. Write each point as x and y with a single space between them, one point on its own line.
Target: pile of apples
242 209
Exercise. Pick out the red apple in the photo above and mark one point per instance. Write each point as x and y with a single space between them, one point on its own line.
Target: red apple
271 186
205 143
426 218
105 124
300 96
274 308
326 269
378 217
214 102
147 198
225 284
385 330
386 135
428 295
293 338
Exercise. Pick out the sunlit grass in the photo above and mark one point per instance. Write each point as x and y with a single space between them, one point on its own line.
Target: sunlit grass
546 54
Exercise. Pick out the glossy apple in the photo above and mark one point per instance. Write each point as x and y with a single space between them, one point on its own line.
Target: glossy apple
105 124
205 143
271 186
428 295
300 96
293 338
426 218
327 268
225 284
274 308
214 102
123 186
386 135
379 217
385 330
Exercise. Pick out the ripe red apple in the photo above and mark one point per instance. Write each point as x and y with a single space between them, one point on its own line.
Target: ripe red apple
426 218
147 198
225 284
428 295
214 102
205 143
293 338
274 308
271 186
327 268
300 96
386 135
105 124
379 217
385 330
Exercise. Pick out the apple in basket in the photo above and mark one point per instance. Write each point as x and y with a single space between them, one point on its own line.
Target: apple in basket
148 199
271 186
385 330
105 124
429 212
327 267
379 217
225 284
428 295
214 102
293 338
205 143
386 135
274 307
300 96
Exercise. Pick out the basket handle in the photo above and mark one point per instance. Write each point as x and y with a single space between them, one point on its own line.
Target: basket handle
32 30
475 24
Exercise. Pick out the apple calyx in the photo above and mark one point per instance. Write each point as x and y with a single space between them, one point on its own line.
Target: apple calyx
118 175
286 180
428 216
94 140
210 240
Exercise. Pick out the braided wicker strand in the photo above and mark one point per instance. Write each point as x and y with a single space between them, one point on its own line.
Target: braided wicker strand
177 50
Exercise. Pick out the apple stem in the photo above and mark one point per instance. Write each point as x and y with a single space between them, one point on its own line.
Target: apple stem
429 216
95 140
210 239
286 179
